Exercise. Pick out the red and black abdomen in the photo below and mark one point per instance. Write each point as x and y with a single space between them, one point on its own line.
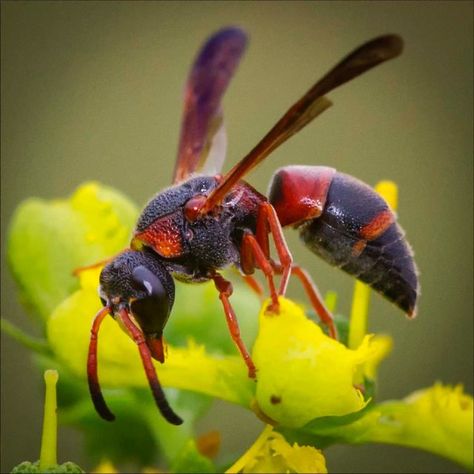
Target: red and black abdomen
357 232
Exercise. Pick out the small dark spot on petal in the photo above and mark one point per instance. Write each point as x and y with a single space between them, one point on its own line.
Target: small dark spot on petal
274 400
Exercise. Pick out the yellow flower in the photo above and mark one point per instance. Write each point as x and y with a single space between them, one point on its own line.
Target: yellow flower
304 374
47 240
439 419
119 364
105 467
272 453
381 347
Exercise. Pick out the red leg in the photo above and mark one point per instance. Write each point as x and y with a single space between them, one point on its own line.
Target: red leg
268 219
150 371
92 375
313 294
254 284
225 290
262 231
252 251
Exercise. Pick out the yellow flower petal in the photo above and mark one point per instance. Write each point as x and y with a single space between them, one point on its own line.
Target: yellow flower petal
271 453
381 346
438 419
302 373
47 240
441 418
104 213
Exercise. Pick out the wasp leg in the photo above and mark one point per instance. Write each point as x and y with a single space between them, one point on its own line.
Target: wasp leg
225 290
267 222
313 294
253 256
253 284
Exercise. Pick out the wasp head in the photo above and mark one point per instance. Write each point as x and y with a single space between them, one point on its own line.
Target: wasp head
139 283
138 291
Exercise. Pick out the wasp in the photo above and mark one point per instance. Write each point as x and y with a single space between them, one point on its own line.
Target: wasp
207 221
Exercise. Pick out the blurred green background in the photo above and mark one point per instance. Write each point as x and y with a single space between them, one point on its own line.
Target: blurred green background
92 90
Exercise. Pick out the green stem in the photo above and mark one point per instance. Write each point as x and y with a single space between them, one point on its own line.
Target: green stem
359 315
30 342
330 300
50 422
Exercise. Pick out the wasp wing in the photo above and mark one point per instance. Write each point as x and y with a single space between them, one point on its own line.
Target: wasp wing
308 107
202 129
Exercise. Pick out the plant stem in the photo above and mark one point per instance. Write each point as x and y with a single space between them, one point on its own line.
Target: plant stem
30 342
359 314
50 423
330 300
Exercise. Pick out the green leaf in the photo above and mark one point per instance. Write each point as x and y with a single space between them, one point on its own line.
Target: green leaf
139 426
33 467
26 466
47 240
190 406
128 439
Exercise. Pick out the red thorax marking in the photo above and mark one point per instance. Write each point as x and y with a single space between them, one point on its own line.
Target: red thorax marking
163 235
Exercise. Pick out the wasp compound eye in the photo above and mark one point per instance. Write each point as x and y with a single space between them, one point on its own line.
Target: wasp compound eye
152 310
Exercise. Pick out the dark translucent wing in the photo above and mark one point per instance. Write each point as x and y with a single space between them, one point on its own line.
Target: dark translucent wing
308 107
202 115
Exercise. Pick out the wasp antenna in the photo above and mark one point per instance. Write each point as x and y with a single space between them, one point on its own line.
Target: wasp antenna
92 376
150 371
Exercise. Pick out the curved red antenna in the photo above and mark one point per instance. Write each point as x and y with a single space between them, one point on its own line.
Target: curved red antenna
92 376
150 371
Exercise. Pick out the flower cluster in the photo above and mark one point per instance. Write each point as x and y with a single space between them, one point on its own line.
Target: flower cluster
311 390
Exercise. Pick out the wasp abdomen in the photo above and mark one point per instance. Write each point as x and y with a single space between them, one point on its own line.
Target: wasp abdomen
358 233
